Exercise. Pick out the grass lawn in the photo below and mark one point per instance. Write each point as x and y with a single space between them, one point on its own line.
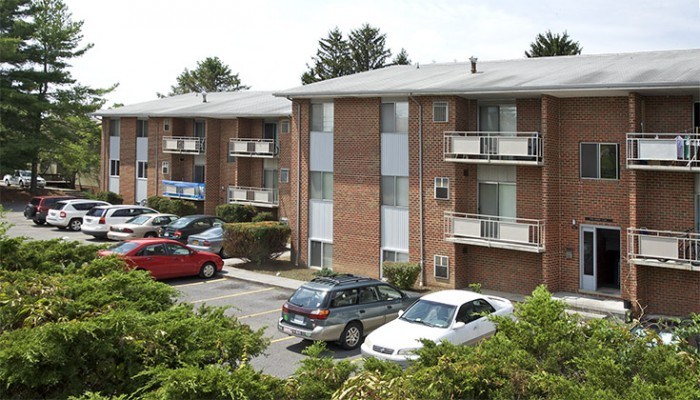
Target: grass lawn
280 267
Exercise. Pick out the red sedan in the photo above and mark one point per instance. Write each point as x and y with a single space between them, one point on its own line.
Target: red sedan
165 258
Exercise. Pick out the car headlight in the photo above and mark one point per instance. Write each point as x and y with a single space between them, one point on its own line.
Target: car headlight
407 352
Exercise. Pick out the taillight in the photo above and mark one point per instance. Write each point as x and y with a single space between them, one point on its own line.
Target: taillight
320 313
127 230
62 214
177 234
102 221
285 309
206 243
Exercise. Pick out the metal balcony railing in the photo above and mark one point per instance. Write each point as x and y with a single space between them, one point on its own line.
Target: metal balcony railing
665 249
265 148
183 190
516 148
492 231
664 151
183 145
261 197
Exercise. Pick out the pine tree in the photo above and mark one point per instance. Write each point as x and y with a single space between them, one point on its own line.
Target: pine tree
211 75
549 44
332 59
367 49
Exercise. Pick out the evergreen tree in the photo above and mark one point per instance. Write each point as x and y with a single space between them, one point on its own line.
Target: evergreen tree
549 44
211 75
367 48
401 58
332 59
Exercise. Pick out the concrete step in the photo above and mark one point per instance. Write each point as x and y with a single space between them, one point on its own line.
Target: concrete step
590 307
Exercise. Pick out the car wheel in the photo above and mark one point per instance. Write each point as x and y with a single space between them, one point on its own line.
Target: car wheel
207 271
7 183
352 336
21 184
75 224
150 235
38 222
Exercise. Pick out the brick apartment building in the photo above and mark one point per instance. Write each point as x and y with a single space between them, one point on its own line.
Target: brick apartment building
211 148
576 172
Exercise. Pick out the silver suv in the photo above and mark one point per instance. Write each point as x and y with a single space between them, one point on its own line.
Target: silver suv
342 308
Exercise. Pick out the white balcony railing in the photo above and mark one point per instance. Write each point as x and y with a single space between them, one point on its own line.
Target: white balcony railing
491 231
519 148
665 249
183 190
261 197
664 151
266 148
183 145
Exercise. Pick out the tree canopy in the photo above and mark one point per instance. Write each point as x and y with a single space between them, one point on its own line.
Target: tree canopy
553 44
211 75
364 49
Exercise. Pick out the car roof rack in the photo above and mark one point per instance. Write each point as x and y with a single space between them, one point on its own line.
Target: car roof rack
341 278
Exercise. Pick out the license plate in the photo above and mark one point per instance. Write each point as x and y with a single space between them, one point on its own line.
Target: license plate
298 319
296 332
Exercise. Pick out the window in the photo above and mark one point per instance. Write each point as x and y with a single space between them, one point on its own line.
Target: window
141 128
199 129
284 175
395 117
368 294
322 117
395 191
387 292
321 254
270 131
114 127
440 111
442 267
342 298
321 185
199 173
498 118
166 124
284 126
442 188
142 169
165 167
113 167
394 256
599 160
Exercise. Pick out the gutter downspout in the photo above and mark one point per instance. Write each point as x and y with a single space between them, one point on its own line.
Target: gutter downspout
421 282
296 256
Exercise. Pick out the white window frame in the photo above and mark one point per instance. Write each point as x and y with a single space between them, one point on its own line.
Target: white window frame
113 167
598 160
394 180
499 106
323 186
442 183
441 262
141 169
436 106
396 119
327 116
165 167
166 125
284 175
116 123
141 128
323 251
395 254
284 126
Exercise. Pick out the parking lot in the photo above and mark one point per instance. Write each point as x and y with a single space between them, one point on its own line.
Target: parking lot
254 304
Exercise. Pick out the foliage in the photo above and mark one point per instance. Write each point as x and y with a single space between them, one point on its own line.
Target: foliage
475 287
109 197
264 216
553 44
211 75
236 212
325 271
401 274
364 50
318 376
51 256
256 241
167 205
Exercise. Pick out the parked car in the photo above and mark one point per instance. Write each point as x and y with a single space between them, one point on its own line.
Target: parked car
211 240
182 228
144 225
70 213
458 316
165 258
98 220
23 178
342 308
38 207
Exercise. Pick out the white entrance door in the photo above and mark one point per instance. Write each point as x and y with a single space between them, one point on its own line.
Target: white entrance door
588 258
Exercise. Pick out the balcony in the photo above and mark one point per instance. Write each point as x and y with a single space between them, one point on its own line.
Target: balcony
664 249
663 151
505 148
259 197
262 148
183 145
500 232
183 190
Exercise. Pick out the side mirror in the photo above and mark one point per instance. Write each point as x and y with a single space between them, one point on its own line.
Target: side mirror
400 313
458 324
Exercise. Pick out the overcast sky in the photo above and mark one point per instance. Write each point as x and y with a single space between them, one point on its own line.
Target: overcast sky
143 45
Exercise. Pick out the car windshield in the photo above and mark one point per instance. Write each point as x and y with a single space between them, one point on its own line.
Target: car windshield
139 220
180 223
124 247
430 313
25 174
35 201
308 298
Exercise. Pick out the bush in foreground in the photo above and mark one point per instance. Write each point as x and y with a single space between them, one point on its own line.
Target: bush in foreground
401 274
256 241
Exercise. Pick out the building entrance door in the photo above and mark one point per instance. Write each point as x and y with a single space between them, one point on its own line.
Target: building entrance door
600 259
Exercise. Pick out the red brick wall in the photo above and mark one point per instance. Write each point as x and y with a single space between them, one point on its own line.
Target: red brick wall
299 150
127 160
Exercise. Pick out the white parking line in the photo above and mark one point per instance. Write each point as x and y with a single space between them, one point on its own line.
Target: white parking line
199 283
232 295
276 310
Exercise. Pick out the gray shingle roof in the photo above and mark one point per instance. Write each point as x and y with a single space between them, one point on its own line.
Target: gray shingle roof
654 70
240 104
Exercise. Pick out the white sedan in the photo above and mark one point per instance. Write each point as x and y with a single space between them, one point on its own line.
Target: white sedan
140 226
457 316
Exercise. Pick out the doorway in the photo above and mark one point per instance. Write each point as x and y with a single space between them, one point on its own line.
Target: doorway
600 259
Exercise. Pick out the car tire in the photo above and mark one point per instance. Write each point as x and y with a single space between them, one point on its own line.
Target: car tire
150 235
7 183
75 224
38 222
207 271
21 184
351 337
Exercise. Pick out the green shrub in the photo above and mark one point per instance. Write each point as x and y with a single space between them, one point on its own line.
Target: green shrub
236 212
401 274
172 206
264 216
256 241
109 197
325 271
